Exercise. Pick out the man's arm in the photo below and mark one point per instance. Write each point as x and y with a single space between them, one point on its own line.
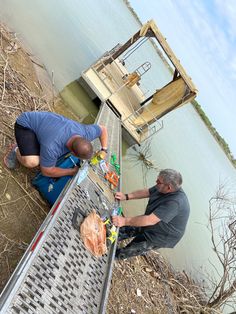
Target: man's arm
103 137
137 221
57 172
133 195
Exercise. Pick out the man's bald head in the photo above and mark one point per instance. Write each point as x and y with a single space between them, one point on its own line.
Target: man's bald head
82 148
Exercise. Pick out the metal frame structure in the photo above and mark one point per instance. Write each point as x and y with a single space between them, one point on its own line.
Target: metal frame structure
107 78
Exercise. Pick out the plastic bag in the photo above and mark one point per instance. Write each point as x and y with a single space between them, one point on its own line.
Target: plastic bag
93 233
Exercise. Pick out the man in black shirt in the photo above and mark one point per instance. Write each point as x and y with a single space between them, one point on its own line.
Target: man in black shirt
165 218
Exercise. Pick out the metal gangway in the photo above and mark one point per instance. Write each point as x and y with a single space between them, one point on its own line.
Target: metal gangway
57 274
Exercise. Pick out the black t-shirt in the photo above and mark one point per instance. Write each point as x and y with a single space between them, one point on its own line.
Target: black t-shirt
173 211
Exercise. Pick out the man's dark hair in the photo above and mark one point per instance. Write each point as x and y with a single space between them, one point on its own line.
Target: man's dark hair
82 148
172 177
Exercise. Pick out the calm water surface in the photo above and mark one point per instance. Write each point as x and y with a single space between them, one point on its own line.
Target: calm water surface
68 36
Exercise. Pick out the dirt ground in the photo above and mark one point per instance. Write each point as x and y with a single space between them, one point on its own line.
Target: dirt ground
139 285
148 284
24 86
21 208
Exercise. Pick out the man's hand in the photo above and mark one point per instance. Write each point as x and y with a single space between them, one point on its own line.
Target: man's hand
118 221
103 153
120 196
75 170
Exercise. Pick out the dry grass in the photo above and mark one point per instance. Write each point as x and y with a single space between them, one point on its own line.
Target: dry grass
150 285
21 208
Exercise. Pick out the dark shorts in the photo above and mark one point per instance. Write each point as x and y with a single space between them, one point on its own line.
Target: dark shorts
27 141
138 246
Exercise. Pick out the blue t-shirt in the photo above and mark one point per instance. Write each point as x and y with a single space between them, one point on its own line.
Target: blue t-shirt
173 210
53 132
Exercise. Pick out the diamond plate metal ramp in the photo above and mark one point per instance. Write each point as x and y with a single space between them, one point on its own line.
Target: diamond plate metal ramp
57 274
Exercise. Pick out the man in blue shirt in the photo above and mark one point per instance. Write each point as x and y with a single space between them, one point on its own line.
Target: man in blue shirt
165 218
43 137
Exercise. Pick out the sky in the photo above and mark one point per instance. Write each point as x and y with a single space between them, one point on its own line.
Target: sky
202 34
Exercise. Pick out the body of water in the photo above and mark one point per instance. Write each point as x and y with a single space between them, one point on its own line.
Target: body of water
68 36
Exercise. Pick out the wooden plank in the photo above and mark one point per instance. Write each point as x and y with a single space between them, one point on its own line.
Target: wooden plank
169 52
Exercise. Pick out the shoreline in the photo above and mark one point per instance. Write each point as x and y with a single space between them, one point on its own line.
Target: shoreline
219 139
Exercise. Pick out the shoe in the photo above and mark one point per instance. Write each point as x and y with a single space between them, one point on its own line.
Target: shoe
10 159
